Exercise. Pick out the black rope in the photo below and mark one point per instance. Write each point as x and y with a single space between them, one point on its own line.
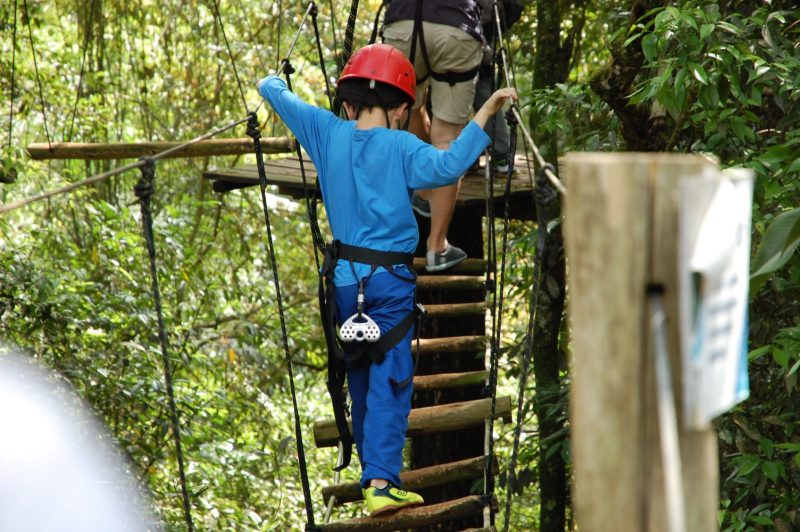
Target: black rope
498 316
230 54
83 64
334 29
144 191
374 36
254 131
36 69
13 76
543 195
348 46
278 34
310 197
314 13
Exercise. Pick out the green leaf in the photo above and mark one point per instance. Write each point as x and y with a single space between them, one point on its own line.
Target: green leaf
699 74
706 30
649 44
770 470
777 246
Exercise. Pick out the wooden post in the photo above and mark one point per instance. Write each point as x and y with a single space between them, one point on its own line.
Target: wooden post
621 233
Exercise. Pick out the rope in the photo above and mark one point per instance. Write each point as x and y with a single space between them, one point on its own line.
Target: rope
314 13
13 76
311 199
334 25
550 174
83 63
285 60
348 46
230 54
105 175
253 130
543 196
374 36
36 69
144 191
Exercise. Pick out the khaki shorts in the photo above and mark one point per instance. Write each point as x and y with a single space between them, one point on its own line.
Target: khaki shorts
449 50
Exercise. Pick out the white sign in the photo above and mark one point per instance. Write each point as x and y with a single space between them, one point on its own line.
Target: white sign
715 213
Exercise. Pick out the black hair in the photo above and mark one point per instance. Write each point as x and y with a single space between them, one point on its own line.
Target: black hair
357 92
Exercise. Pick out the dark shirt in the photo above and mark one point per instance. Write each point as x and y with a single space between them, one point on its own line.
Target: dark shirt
462 14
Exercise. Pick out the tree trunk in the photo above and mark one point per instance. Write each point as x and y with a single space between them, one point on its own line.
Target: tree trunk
643 128
550 67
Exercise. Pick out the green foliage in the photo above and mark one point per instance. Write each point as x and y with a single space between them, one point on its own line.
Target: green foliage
778 244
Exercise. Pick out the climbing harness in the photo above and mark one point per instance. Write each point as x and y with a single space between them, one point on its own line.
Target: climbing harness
144 190
447 77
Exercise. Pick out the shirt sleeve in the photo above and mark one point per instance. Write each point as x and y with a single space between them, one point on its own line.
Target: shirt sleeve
429 167
308 122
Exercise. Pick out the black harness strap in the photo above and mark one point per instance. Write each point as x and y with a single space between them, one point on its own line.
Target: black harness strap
340 354
447 77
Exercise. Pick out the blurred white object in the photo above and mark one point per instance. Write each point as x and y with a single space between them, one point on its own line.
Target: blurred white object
59 470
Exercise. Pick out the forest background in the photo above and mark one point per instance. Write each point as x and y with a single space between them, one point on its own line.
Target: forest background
622 75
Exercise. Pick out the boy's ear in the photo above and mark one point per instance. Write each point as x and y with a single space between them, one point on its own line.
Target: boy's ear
348 109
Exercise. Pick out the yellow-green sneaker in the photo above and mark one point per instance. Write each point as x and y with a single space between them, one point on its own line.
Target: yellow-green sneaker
389 499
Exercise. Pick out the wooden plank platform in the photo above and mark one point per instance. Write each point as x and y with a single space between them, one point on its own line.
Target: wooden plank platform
285 172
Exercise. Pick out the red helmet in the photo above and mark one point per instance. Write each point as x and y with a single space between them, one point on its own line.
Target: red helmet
384 63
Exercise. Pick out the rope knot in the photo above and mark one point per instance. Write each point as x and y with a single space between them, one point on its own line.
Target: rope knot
543 194
287 66
511 116
145 187
253 127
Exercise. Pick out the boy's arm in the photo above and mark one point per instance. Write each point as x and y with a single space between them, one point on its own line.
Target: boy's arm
429 167
307 122
493 104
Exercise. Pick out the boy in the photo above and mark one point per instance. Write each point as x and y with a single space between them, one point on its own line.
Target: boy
368 168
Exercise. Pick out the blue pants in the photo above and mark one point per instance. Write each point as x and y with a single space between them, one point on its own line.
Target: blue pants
380 409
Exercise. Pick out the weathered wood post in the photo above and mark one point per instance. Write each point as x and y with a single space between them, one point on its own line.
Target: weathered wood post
621 232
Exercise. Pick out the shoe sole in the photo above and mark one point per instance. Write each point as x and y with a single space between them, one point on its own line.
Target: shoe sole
386 510
440 267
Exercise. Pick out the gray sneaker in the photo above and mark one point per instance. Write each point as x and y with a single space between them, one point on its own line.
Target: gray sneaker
421 206
441 260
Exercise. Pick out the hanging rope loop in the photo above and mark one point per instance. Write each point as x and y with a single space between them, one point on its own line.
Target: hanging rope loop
286 67
543 194
253 127
511 116
145 187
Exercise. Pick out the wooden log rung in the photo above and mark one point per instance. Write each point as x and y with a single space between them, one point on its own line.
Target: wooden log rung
456 310
448 381
425 477
450 282
133 150
413 518
467 267
450 345
430 419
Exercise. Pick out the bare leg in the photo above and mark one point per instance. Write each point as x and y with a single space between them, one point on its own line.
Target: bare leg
443 200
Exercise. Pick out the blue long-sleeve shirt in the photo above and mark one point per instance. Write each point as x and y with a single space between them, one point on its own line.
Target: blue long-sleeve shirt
367 176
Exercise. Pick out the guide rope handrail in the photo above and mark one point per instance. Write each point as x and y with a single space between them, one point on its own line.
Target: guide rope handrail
550 174
105 175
